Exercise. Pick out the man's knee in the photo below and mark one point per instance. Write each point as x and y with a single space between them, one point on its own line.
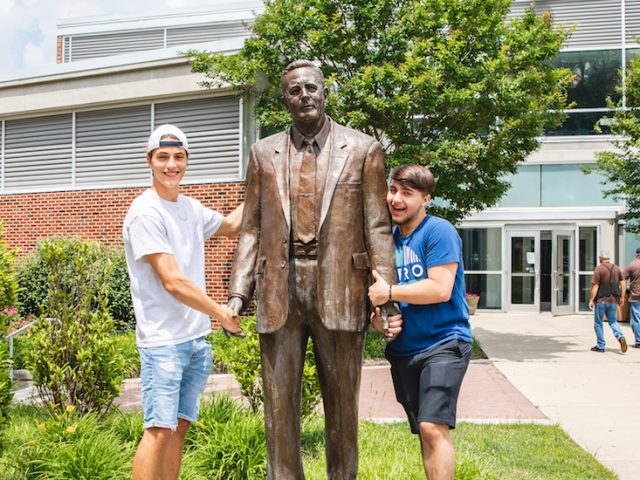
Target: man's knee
433 433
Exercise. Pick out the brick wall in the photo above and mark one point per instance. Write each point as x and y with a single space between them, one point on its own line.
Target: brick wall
98 215
59 50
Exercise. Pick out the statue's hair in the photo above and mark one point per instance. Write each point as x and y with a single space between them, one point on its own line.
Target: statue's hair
300 64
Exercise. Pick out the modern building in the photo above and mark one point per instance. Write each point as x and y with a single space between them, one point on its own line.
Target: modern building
536 250
71 138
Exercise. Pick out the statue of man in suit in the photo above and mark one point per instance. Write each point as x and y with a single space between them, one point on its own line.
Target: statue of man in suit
315 223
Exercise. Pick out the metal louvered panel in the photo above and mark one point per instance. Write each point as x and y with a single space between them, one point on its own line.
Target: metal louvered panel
38 153
205 33
66 49
632 21
518 9
598 22
212 126
103 45
110 146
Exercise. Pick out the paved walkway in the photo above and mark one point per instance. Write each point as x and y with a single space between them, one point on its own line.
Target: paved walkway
594 397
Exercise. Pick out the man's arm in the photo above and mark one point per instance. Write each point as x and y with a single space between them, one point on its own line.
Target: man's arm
592 298
230 226
436 288
184 290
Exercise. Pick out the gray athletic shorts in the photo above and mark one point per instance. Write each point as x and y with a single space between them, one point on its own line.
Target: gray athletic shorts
427 384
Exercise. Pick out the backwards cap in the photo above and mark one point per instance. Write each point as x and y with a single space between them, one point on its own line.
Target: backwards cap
166 129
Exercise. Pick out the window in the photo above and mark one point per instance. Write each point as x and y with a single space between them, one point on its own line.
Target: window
482 257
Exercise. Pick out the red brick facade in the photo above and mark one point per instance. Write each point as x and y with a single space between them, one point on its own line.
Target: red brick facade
59 50
98 215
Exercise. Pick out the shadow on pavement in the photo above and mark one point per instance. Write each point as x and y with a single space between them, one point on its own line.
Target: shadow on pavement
520 347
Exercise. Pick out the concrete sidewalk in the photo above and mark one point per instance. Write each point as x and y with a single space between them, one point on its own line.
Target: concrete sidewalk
594 397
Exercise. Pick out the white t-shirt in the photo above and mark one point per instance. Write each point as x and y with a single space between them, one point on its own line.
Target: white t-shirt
154 225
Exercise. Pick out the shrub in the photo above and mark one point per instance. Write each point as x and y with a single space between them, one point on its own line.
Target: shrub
68 446
242 358
75 359
8 281
374 345
8 298
227 443
33 274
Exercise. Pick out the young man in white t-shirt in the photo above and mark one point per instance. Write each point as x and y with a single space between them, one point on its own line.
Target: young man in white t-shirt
164 234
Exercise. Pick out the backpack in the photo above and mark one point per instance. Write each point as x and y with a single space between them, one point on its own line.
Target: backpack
611 288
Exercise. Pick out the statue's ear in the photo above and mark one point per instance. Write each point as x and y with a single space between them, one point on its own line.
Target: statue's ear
285 103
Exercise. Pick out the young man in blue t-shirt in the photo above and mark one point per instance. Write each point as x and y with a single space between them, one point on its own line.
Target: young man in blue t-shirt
430 355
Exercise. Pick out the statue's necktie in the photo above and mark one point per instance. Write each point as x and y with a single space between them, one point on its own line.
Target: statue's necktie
306 227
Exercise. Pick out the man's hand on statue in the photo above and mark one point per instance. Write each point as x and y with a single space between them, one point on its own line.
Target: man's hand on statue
379 291
230 322
394 321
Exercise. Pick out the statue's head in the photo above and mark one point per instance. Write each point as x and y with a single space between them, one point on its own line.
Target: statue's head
304 93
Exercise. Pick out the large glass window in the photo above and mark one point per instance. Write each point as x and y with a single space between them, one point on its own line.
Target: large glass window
587 261
482 257
596 76
596 73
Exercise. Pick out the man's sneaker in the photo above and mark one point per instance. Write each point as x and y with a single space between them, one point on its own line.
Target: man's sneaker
623 344
597 349
637 345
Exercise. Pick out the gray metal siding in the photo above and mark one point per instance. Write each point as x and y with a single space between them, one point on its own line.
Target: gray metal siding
598 22
103 45
205 33
38 153
212 126
110 146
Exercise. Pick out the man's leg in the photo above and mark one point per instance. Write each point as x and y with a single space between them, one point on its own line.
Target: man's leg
159 453
438 454
635 321
339 363
612 317
598 312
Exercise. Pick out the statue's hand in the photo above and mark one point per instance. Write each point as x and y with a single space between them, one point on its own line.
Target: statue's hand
235 304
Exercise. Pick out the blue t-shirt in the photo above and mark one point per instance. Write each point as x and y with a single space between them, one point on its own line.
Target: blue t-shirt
434 242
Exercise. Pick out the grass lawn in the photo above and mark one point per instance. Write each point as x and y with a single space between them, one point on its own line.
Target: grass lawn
228 444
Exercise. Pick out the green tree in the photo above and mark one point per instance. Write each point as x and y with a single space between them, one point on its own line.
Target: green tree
621 166
452 84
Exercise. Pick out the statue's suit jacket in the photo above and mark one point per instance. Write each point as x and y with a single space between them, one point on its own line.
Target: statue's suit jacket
354 232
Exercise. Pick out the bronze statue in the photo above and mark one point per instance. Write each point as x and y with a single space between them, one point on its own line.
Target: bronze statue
315 223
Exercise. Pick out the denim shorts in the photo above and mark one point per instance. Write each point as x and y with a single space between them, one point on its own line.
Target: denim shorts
427 384
173 378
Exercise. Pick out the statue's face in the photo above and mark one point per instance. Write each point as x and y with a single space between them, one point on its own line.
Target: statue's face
304 96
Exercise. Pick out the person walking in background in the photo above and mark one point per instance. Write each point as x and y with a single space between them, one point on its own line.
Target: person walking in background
632 273
431 346
607 292
164 234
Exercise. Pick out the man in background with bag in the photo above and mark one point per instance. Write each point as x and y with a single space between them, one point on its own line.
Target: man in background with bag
607 292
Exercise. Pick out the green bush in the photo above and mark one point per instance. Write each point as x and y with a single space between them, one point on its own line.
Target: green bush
126 344
227 443
8 299
33 274
75 359
242 358
68 446
374 345
8 281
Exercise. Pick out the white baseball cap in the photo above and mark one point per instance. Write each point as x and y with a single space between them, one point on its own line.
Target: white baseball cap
167 129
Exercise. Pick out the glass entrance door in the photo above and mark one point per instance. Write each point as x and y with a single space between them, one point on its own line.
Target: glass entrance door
524 277
562 275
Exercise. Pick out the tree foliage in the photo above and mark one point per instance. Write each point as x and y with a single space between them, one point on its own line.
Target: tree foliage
621 166
451 84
